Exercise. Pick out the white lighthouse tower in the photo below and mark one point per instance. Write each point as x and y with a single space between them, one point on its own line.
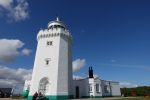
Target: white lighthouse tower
52 72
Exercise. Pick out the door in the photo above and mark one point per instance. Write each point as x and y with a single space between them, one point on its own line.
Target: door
77 92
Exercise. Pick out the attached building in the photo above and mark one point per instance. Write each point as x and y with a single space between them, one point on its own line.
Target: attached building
94 87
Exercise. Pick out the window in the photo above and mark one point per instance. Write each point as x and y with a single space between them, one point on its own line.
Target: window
106 89
90 87
97 88
43 86
47 61
49 43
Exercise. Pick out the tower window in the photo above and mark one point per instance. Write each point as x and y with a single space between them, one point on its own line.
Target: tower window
47 61
49 43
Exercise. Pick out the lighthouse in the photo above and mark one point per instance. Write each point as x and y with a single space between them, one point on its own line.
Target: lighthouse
52 71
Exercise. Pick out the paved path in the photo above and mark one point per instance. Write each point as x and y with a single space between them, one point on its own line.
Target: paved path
78 99
110 98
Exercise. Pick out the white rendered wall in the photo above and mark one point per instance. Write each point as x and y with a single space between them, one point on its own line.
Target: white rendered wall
106 83
115 89
27 85
84 84
59 70
91 81
83 87
65 67
112 87
41 69
97 93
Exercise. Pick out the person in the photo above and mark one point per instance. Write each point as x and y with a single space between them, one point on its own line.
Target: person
40 95
35 96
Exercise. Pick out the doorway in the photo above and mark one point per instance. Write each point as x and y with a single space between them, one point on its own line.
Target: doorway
77 91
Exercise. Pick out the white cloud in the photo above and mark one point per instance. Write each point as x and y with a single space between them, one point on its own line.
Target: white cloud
10 76
128 66
77 77
9 49
6 3
26 52
16 10
127 85
112 60
78 64
95 76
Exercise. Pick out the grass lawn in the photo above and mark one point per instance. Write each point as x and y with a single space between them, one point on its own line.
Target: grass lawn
137 98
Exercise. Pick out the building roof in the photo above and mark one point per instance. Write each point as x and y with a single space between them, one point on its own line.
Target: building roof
55 23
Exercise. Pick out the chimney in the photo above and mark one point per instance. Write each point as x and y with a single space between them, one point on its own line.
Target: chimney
90 72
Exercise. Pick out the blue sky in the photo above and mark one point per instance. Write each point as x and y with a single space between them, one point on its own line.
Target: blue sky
111 35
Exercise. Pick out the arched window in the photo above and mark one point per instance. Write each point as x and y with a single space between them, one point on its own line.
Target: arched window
43 86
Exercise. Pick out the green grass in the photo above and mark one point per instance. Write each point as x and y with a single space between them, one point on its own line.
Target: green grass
137 98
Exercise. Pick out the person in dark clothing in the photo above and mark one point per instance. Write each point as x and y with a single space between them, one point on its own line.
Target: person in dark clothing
40 96
35 96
